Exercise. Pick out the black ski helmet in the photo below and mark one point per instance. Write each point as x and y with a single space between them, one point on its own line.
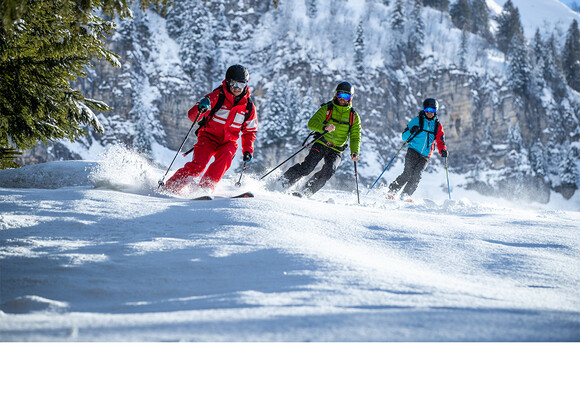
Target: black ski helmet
237 73
345 86
431 103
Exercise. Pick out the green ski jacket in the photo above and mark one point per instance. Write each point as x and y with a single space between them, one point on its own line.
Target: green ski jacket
340 118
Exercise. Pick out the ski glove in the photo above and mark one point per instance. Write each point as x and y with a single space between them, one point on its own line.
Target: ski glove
204 104
247 156
414 129
444 153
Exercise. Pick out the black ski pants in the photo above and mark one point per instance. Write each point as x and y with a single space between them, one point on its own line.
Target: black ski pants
415 164
318 152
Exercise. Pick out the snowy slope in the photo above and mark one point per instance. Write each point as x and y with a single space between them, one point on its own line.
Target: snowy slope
120 263
546 15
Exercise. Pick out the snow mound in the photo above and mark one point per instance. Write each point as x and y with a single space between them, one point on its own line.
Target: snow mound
122 169
31 303
462 206
49 175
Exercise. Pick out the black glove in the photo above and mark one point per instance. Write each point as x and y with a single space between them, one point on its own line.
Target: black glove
444 153
414 129
247 156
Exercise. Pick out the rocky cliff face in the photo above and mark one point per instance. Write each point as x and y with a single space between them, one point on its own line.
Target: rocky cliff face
506 145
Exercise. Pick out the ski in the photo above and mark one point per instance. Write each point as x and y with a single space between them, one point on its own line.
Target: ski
209 197
244 195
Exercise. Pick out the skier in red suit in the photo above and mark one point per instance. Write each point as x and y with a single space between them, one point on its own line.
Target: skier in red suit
227 112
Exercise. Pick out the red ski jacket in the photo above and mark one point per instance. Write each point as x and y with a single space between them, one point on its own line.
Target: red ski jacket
228 121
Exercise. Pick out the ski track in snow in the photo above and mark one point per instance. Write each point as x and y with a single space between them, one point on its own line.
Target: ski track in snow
126 264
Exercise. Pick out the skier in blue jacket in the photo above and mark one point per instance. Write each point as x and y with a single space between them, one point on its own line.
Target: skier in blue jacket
422 133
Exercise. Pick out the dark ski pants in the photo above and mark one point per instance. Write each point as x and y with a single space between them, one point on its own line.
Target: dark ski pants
415 164
318 152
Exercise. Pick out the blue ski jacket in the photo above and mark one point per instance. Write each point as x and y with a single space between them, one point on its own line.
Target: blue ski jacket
425 140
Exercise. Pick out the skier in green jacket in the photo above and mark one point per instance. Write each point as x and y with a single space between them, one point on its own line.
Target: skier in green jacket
340 122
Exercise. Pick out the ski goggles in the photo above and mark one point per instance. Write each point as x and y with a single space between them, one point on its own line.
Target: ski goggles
431 110
344 95
237 84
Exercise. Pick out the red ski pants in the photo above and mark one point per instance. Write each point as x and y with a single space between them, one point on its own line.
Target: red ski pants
203 151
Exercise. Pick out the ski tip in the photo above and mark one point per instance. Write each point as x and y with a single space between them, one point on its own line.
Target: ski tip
244 195
203 198
298 194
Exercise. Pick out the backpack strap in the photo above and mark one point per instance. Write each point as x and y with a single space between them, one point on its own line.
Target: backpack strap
329 107
422 123
214 109
351 119
220 102
437 130
249 107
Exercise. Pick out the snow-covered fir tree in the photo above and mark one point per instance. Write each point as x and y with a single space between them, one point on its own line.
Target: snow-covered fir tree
463 49
359 48
509 23
538 48
571 56
311 8
479 22
517 170
552 69
416 34
191 23
514 138
568 173
519 69
397 25
537 62
460 13
442 5
538 159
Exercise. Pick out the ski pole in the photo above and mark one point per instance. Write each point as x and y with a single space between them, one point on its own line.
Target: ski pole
388 165
296 153
356 179
161 181
239 183
447 173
